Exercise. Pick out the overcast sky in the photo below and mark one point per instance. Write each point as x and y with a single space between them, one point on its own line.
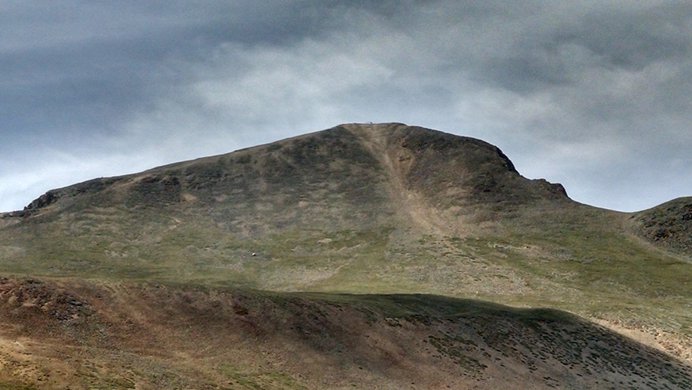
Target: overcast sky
592 94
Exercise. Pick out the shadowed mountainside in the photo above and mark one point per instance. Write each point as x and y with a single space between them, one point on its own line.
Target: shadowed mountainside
157 336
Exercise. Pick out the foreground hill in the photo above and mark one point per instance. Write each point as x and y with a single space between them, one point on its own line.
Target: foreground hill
375 209
81 335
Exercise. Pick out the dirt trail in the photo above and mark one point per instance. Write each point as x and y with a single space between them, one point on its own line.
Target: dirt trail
374 137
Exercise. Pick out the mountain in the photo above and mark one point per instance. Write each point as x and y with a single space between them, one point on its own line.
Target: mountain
375 209
355 165
312 209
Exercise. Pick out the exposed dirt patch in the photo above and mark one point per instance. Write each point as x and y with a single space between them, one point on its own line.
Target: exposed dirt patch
675 344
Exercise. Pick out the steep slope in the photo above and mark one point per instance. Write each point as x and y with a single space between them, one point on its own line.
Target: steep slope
668 225
83 335
335 178
439 178
251 191
360 208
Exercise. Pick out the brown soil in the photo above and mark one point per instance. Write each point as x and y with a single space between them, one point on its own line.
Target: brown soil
67 334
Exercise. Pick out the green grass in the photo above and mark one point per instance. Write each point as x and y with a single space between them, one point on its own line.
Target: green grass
612 273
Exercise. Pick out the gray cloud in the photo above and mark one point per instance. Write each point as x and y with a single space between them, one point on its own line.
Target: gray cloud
593 94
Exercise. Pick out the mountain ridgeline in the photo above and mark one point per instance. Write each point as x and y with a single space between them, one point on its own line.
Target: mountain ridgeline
333 178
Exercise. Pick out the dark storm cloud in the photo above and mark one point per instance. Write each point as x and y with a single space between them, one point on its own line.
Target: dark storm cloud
544 54
594 93
67 66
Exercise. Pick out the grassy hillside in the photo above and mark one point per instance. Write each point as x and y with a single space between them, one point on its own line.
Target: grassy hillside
376 209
